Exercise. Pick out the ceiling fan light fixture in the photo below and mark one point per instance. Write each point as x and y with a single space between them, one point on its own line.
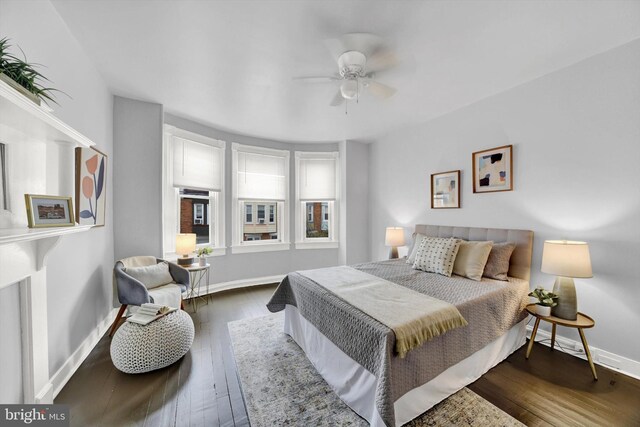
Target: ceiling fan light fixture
349 89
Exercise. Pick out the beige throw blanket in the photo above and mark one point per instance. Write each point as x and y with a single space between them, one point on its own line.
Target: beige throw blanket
414 317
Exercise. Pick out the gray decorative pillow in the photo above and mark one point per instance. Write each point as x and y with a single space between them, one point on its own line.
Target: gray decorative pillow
417 239
151 276
437 255
497 266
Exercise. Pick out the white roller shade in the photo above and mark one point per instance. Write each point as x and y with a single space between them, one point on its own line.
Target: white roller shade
317 179
261 176
197 165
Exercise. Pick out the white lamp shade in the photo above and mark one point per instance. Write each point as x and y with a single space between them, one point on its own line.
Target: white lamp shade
566 258
394 236
185 243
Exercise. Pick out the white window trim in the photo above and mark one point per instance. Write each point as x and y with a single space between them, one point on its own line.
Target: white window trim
217 198
302 242
239 246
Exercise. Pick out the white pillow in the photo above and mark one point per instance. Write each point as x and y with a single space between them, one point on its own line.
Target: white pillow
471 259
417 239
151 276
437 255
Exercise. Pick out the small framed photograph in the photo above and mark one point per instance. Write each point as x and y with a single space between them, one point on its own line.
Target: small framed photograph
493 170
49 211
445 190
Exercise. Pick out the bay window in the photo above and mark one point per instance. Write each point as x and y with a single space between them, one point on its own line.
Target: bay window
316 200
260 199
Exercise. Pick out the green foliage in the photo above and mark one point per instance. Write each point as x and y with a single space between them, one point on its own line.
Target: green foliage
23 73
205 251
545 298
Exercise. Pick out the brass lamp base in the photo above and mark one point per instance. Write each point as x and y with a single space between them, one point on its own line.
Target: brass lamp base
185 261
567 307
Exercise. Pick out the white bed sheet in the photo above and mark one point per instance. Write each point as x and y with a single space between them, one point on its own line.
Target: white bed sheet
357 387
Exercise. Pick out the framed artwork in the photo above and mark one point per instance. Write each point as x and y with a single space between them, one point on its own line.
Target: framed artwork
91 182
493 170
445 190
49 211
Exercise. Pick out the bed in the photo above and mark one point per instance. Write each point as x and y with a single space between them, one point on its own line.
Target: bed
355 353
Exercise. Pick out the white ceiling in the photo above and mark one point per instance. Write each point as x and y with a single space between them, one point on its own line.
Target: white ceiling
229 64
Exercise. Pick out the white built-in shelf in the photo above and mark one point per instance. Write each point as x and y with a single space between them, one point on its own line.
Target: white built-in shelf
15 235
22 120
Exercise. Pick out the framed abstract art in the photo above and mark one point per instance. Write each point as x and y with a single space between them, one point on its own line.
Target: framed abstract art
445 190
91 182
493 170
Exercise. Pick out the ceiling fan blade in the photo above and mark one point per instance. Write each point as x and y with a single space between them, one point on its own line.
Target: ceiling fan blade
335 47
316 79
362 42
337 99
379 89
382 59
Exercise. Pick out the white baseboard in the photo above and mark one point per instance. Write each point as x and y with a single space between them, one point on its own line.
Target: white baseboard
601 357
71 365
242 283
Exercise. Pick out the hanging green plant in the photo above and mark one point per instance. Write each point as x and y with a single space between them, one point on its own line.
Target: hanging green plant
24 74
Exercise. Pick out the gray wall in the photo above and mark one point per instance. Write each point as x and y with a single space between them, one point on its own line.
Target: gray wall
137 153
354 211
79 268
576 138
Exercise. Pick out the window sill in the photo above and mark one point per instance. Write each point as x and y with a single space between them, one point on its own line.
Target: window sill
327 244
173 257
257 247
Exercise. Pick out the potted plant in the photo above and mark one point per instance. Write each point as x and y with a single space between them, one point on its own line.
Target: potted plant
546 300
22 76
202 255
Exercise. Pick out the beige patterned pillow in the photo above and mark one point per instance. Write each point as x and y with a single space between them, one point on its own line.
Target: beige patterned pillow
497 266
471 259
437 255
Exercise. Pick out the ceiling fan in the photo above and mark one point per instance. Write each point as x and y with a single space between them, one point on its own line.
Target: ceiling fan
360 57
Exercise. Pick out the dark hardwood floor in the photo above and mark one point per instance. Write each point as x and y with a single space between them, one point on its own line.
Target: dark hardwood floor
202 389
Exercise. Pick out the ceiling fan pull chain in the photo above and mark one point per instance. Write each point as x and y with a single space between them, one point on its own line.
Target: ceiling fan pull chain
346 103
357 91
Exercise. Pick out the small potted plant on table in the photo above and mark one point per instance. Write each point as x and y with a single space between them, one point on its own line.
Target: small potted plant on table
202 255
546 300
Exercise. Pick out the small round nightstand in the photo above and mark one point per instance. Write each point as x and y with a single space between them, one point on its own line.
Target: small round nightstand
582 322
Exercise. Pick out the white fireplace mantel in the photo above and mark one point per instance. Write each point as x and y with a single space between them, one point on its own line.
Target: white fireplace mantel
39 161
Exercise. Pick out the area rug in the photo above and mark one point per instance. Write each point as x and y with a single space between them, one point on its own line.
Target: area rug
281 387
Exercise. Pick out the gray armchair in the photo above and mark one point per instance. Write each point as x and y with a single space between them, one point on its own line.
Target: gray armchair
131 291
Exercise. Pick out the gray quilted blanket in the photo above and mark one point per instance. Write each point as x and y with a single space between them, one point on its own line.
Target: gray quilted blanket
491 308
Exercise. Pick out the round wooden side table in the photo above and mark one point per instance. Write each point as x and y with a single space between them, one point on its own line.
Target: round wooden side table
582 322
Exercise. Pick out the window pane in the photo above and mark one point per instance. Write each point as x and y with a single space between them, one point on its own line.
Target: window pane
248 217
194 214
318 221
261 229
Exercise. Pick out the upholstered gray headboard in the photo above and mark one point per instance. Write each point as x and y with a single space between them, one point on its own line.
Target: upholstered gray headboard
520 265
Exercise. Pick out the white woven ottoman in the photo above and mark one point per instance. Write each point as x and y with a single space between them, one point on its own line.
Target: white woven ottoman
136 348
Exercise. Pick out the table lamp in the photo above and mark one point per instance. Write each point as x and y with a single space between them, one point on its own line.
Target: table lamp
394 237
567 260
185 245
